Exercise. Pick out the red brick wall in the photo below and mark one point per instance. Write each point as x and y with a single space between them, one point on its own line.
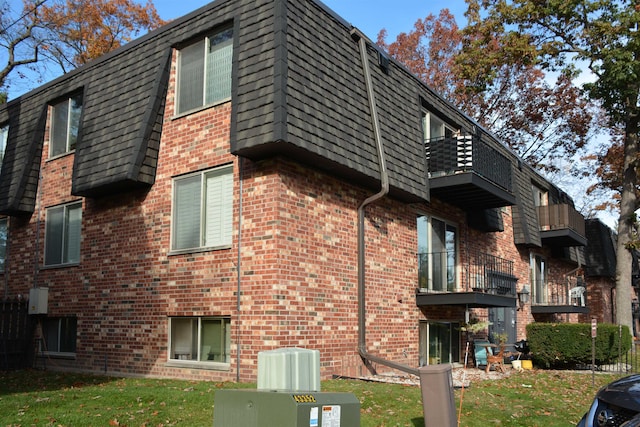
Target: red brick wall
293 256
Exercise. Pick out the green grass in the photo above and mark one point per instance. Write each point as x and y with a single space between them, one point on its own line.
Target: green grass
37 398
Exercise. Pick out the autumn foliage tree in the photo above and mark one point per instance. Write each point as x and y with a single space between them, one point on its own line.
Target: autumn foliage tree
477 70
605 37
77 31
68 33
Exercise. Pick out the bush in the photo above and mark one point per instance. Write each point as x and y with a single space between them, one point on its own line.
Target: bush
560 345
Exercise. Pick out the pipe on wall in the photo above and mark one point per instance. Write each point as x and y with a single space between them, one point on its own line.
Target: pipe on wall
368 358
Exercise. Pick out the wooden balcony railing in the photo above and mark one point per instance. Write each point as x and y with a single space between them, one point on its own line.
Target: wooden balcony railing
561 216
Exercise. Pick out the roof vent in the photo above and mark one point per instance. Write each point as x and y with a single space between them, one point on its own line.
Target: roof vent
383 61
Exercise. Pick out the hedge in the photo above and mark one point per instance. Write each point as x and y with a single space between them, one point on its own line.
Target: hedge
569 344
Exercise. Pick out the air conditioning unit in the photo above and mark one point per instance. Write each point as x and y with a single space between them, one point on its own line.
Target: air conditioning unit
294 369
38 300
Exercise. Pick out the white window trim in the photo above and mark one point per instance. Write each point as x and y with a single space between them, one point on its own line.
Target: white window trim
226 169
4 139
544 287
64 235
176 108
68 127
426 124
458 272
6 242
54 353
199 364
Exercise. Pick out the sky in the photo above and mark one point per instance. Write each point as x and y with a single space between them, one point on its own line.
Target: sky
370 16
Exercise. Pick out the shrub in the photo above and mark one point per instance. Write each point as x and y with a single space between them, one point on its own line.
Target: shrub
569 344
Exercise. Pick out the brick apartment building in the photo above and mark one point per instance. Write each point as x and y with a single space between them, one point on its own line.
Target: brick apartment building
257 175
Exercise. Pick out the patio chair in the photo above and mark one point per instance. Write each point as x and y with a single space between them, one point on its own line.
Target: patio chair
496 360
480 352
577 295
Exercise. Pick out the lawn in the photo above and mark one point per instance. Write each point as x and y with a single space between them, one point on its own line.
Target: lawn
37 398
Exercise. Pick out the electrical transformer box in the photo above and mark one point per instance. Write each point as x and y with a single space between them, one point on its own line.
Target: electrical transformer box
259 408
38 300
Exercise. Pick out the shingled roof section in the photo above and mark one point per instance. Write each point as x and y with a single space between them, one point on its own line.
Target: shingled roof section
123 105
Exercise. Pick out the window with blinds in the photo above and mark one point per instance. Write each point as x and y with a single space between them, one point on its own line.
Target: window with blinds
203 210
65 124
200 339
62 234
204 72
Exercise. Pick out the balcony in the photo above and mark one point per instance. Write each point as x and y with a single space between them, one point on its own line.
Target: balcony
485 281
561 225
559 297
468 173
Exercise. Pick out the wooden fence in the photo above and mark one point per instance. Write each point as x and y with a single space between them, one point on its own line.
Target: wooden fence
16 334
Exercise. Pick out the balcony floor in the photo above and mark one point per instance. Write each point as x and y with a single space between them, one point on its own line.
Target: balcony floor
556 309
469 190
467 299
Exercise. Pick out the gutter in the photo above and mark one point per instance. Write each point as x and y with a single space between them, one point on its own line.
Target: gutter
367 357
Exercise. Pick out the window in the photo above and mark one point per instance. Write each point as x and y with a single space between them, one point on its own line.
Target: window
203 210
65 123
62 234
59 335
200 339
434 127
540 196
437 254
439 343
4 137
539 279
204 71
3 242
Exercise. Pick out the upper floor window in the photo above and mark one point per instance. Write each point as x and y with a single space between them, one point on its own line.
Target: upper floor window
4 137
65 123
62 234
434 127
540 196
203 209
3 242
539 279
437 254
204 71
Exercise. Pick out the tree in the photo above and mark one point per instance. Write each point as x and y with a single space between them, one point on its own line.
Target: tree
16 36
604 36
478 70
68 33
81 30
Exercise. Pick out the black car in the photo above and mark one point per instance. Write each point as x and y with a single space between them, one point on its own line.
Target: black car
616 404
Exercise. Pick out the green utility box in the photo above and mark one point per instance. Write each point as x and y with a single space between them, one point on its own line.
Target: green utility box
261 408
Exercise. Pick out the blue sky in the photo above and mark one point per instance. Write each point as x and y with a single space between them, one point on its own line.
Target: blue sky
370 16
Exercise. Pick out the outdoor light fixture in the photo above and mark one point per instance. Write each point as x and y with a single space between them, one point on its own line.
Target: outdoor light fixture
523 296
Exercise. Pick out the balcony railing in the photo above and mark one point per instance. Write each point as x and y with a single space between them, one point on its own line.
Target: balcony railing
569 293
465 153
484 273
559 217
491 274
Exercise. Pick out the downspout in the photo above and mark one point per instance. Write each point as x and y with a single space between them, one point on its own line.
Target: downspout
238 269
384 190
